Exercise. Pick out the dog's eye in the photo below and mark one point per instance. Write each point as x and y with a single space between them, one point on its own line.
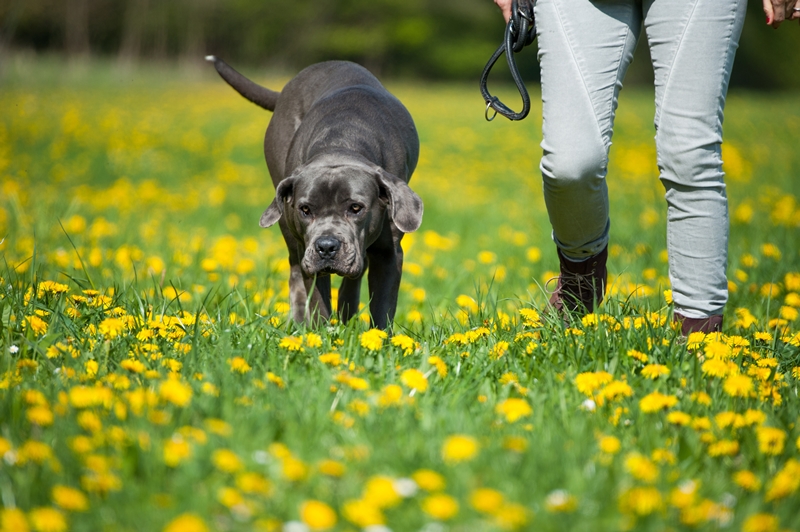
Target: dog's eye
305 210
355 208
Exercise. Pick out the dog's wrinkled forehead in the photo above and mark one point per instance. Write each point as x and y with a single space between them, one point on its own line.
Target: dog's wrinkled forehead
336 183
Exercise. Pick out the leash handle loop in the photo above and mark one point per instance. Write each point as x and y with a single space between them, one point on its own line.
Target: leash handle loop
519 33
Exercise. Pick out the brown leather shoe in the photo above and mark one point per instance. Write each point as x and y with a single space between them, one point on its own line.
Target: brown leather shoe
703 325
581 285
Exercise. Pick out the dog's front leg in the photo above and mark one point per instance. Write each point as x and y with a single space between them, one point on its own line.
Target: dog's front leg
305 309
349 298
385 271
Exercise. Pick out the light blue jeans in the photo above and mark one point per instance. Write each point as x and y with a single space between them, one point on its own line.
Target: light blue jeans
585 47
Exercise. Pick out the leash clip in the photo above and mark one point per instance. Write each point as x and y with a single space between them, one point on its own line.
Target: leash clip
520 32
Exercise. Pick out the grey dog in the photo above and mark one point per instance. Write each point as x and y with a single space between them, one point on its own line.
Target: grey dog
340 149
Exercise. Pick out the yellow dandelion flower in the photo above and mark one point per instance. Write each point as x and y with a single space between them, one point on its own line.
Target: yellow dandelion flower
517 444
414 379
761 523
656 401
70 499
641 501
440 506
227 461
614 390
239 365
176 450
372 339
685 494
428 480
187 522
362 513
134 366
514 409
663 456
467 303
609 444
738 386
459 448
175 392
332 468
587 383
785 482
391 394
641 467
723 448
511 516
36 324
486 500
530 317
317 515
40 415
276 380
637 355
716 368
291 343
654 371
331 359
111 327
313 340
47 520
406 343
499 349
747 480
380 492
679 418
770 440
438 363
13 519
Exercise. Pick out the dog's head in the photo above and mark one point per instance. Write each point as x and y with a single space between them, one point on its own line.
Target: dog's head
336 209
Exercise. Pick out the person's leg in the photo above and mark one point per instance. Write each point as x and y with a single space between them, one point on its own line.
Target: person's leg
692 44
585 48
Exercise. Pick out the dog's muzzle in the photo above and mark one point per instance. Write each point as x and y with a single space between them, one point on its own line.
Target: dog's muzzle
327 246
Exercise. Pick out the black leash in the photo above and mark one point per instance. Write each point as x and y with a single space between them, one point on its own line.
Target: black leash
520 32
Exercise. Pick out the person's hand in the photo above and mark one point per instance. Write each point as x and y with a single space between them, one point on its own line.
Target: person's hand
505 7
778 11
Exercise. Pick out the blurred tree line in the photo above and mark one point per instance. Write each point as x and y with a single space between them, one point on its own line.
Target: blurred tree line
429 39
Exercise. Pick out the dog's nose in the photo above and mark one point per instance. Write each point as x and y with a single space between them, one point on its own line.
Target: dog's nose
327 246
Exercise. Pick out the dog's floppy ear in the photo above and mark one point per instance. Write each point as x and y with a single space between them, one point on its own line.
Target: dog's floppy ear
283 193
405 206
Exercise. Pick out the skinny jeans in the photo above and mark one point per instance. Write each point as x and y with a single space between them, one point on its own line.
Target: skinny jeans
585 48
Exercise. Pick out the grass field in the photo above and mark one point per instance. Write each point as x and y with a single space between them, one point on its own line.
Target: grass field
150 378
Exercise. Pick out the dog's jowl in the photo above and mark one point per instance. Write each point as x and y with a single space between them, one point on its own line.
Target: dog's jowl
341 150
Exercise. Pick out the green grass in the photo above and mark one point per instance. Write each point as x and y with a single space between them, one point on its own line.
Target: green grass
169 340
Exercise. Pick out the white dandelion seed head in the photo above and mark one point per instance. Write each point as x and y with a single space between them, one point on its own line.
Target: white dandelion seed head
557 497
377 528
405 487
261 457
589 405
295 526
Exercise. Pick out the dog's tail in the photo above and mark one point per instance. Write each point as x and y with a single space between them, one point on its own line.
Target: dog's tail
261 96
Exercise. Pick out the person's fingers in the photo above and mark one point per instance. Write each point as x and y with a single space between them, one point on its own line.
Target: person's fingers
505 8
767 5
794 14
778 11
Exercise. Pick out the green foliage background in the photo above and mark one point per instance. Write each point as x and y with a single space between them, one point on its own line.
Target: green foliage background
429 39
